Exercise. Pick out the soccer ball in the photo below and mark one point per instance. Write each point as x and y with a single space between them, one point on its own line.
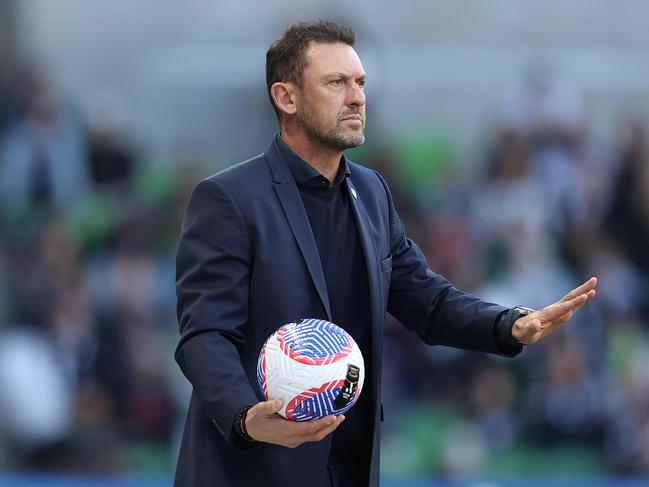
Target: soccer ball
314 367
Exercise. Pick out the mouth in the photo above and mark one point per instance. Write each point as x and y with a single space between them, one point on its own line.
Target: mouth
353 118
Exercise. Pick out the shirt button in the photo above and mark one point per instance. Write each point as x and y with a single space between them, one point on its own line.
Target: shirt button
324 183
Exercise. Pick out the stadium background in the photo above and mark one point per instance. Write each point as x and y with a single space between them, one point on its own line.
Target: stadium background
513 135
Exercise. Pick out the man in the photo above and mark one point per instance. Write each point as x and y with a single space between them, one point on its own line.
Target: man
300 232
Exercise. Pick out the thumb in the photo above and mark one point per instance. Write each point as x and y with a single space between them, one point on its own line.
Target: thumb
273 406
536 325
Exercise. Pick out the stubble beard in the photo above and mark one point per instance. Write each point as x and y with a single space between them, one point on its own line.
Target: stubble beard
337 138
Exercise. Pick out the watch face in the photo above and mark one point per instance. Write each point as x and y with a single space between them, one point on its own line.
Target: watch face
523 311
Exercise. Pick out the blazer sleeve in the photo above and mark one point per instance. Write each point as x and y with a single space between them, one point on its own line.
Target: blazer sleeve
425 302
213 266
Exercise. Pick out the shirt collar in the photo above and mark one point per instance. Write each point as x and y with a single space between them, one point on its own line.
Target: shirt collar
305 174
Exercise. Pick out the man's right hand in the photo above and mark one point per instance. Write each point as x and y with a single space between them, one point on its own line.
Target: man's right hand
264 424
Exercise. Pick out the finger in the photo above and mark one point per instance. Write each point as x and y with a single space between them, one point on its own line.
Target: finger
589 296
308 428
583 289
536 326
271 407
324 432
556 310
320 424
532 327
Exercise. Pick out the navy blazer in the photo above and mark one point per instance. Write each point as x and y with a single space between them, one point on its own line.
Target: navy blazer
247 263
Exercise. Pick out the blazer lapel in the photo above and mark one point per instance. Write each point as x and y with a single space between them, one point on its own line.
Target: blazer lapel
372 263
289 197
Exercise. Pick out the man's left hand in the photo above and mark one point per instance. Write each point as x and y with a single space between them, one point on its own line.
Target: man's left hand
531 328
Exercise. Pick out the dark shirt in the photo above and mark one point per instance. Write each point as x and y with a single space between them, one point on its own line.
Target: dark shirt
330 214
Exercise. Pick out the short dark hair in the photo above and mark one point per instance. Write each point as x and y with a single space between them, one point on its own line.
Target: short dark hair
285 59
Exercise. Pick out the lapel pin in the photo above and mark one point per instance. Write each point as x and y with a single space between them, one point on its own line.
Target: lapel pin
354 193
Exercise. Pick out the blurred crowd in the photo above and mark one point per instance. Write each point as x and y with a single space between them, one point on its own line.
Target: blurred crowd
545 207
87 301
88 229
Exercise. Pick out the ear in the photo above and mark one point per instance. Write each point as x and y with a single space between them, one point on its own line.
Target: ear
284 97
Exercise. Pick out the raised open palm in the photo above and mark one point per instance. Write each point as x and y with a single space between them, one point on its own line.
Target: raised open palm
531 328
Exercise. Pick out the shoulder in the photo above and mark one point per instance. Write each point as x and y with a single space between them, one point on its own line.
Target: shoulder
239 180
368 178
253 170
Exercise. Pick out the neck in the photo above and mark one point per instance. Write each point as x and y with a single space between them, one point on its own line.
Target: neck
323 158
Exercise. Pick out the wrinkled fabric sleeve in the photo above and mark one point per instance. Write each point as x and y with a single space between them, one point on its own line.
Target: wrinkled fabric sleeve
426 303
213 268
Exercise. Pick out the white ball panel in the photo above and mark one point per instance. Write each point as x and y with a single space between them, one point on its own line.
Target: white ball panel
287 378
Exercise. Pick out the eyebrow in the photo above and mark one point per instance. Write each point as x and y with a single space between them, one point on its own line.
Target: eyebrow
343 75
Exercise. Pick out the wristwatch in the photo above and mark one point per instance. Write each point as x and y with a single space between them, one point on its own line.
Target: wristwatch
240 425
518 312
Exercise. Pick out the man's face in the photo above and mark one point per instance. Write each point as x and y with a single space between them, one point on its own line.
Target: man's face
331 105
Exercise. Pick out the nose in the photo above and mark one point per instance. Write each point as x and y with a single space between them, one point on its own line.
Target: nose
356 95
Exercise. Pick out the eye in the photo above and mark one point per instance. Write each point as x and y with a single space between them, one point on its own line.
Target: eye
361 83
336 82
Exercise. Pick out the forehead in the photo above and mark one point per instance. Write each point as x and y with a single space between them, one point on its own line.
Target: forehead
323 59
